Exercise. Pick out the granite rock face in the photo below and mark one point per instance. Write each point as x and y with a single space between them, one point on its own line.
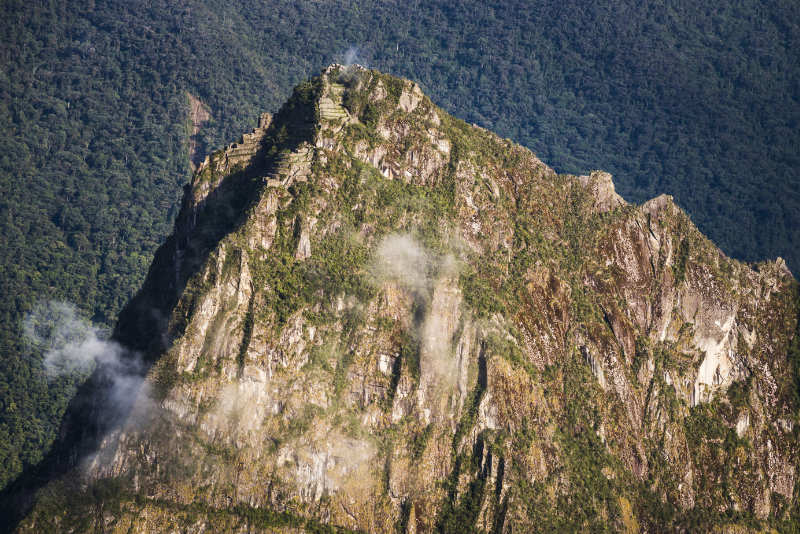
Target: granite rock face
375 317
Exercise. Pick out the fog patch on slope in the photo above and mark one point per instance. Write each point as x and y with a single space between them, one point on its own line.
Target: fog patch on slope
350 56
71 344
402 260
239 411
442 317
433 281
330 463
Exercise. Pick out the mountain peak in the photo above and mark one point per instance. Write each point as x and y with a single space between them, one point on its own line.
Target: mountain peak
374 315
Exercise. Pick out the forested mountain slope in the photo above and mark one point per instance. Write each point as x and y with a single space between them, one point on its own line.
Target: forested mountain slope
698 102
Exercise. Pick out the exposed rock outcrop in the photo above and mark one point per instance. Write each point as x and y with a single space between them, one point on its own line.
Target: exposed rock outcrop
382 318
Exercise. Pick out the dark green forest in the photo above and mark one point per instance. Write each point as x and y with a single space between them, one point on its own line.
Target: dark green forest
698 101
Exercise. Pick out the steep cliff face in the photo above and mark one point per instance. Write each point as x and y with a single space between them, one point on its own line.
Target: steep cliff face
376 317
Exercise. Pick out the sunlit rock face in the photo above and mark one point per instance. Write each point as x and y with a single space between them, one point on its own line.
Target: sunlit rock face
380 318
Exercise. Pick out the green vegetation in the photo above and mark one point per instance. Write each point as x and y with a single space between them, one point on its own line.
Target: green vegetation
62 509
679 267
591 503
794 356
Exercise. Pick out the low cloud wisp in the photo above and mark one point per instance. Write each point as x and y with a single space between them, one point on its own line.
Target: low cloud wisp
351 56
432 280
401 259
71 344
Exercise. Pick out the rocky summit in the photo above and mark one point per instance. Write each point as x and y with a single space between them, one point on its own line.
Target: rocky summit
374 317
